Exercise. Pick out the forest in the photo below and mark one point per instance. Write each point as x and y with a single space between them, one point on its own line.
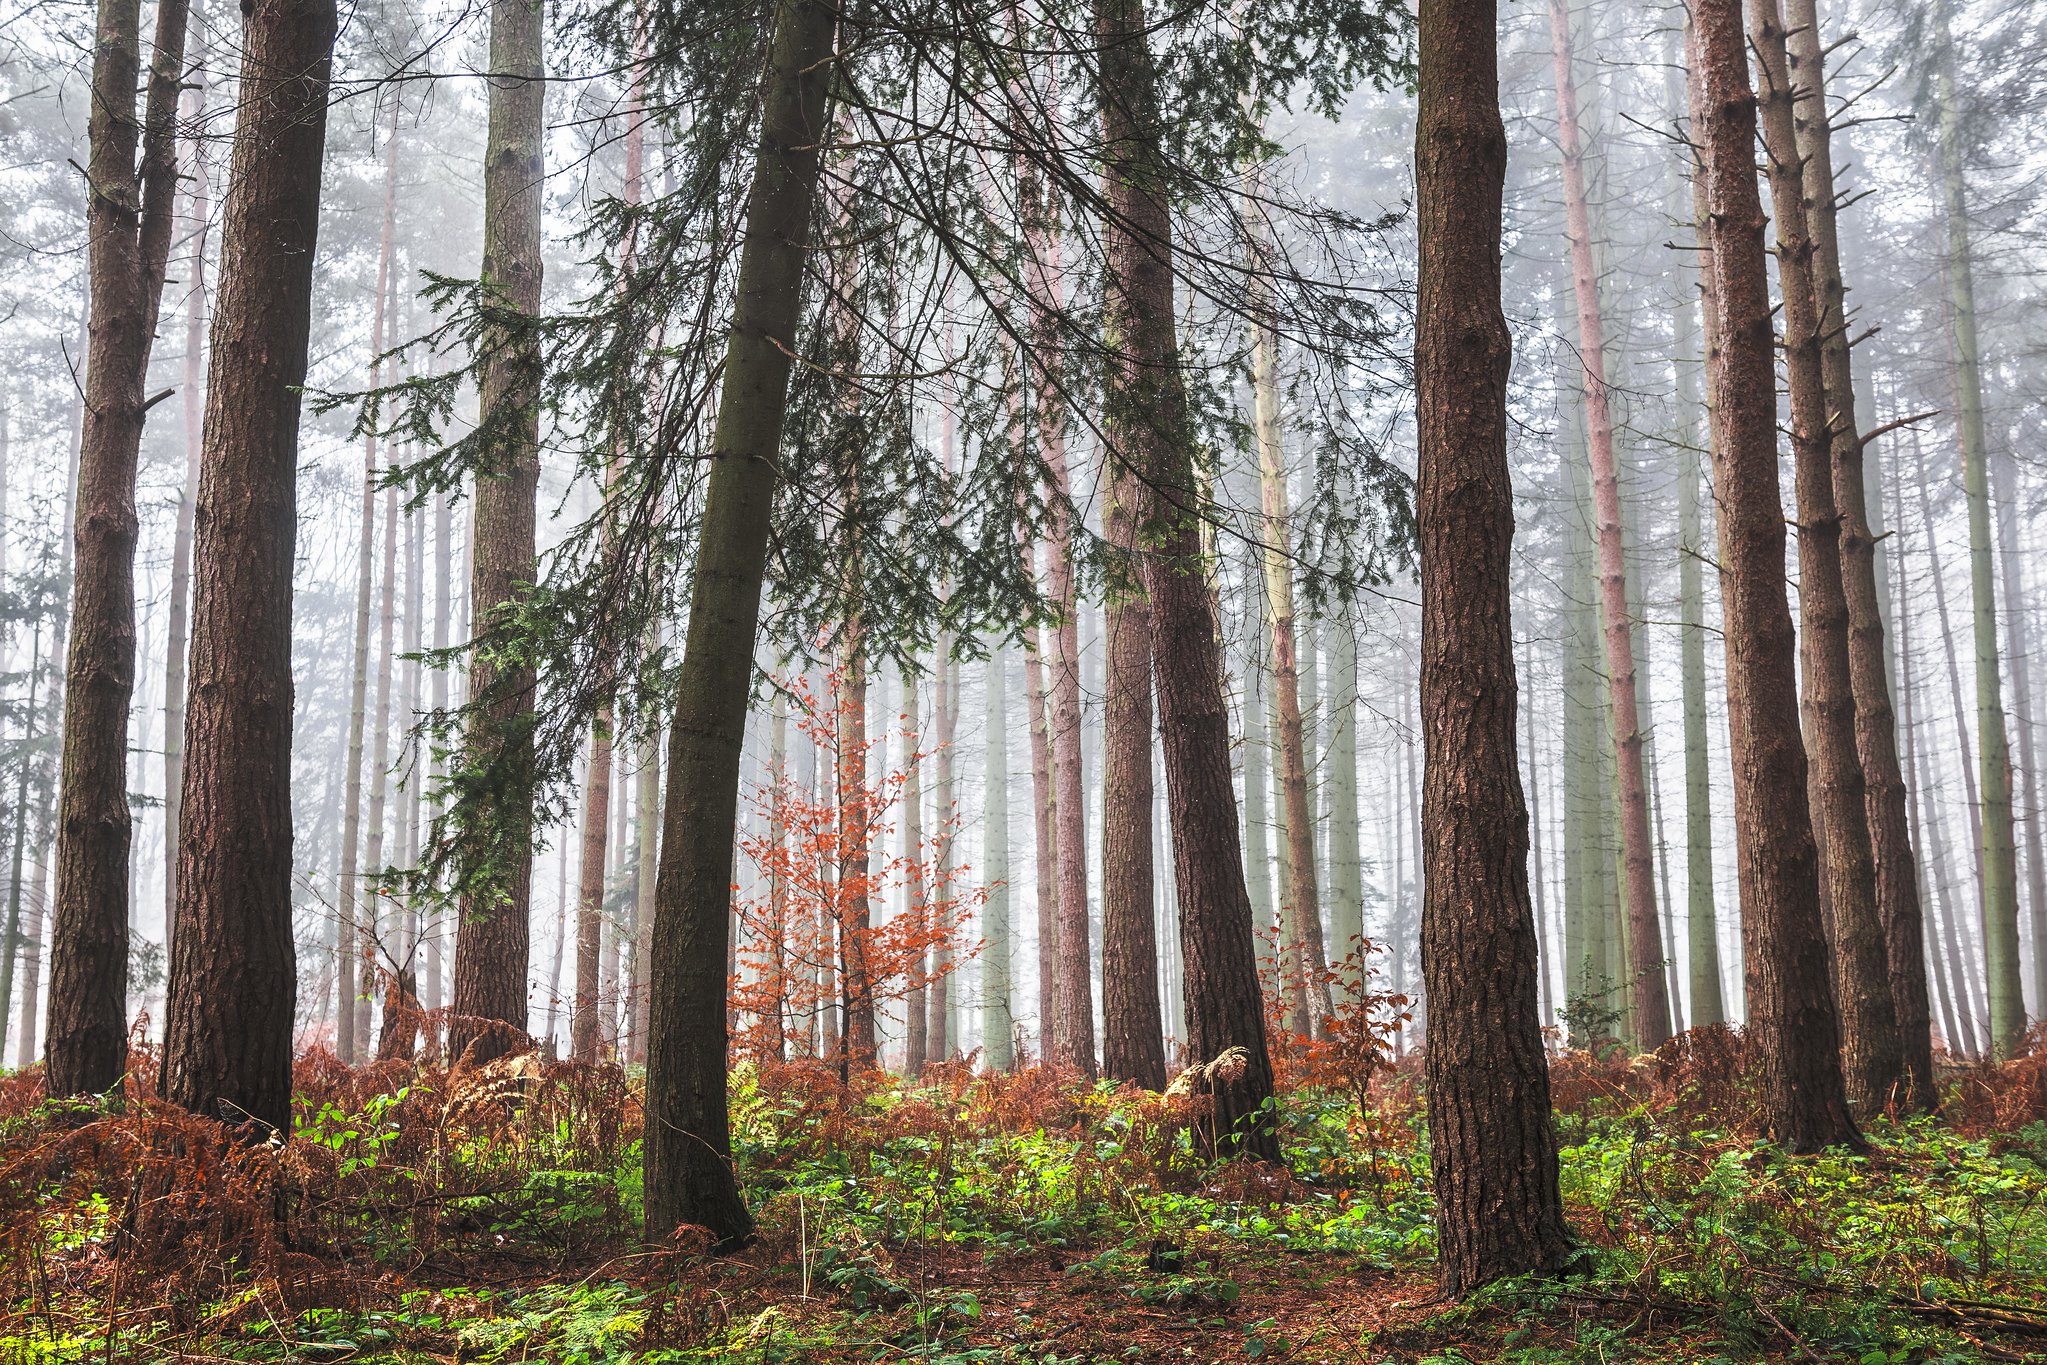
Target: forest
1335 681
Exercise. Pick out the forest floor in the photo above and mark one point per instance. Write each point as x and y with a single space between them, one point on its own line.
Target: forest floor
420 1215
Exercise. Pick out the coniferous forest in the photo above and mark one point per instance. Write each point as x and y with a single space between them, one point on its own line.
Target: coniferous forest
923 680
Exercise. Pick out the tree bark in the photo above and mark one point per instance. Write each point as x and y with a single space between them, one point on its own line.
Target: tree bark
1876 740
1133 1035
227 1036
1046 847
491 940
1346 857
130 211
689 1177
1993 748
1651 1002
586 1036
1147 427
1492 1148
1793 1027
1872 1061
436 948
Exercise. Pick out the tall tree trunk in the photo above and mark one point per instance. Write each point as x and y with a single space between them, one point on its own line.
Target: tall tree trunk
1651 1013
376 948
1543 1006
1133 1035
130 211
2018 645
1792 1023
199 213
491 938
689 1177
1876 739
1307 965
1702 930
11 946
855 904
942 1038
647 852
918 1023
227 1036
1993 751
1147 427
1046 845
1346 857
1872 1061
400 1037
1492 1148
433 929
998 1023
586 1035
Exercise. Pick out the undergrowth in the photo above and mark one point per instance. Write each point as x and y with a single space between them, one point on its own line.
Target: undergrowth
490 1215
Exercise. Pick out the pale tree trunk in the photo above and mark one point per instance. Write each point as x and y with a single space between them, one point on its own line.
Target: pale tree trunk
1346 857
586 1034
1493 1152
1702 929
647 853
776 1047
1046 845
130 212
918 1023
495 901
401 1000
1256 756
1876 739
1792 1027
1993 752
1651 1012
1148 427
2019 645
1872 1061
1533 784
433 928
1307 966
942 1035
228 1017
998 1023
376 948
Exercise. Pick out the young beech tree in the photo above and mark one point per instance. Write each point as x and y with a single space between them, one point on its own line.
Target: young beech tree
228 1018
130 210
1492 1147
491 937
1792 1025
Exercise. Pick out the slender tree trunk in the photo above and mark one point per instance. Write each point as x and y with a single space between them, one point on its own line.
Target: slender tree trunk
918 1022
227 1037
12 945
2019 646
1046 844
998 1023
375 947
856 848
1147 427
689 1177
586 1036
648 853
1651 1021
1257 753
942 1038
491 947
1133 1035
1993 752
199 214
548 1044
1492 1149
1544 1009
399 1039
1872 1061
130 211
1346 857
1792 1023
1876 741
436 964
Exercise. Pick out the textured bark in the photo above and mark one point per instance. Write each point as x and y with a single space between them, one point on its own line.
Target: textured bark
1873 1066
689 1177
130 210
1492 1148
198 216
1876 738
1651 1003
1147 427
1793 1028
1133 1035
491 942
998 1022
856 852
1993 749
227 1036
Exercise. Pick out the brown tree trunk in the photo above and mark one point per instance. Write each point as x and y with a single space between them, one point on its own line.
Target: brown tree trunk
1498 1211
1133 1035
491 940
586 1037
1873 1065
856 848
689 1178
1876 739
1046 842
1793 1028
1650 1024
1147 427
130 211
227 1036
